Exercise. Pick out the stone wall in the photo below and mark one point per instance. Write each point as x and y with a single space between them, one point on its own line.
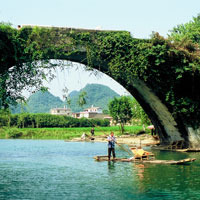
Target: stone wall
194 137
158 113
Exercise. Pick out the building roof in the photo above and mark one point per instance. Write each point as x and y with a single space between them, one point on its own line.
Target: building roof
93 108
60 109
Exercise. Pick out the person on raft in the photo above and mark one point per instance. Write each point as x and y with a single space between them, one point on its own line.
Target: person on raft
111 145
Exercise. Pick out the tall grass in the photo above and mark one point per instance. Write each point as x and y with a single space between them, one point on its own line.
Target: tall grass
62 133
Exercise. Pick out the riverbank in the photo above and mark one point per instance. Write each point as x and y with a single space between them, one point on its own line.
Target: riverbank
130 140
64 133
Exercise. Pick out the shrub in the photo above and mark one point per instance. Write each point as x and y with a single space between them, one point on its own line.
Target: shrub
27 120
14 133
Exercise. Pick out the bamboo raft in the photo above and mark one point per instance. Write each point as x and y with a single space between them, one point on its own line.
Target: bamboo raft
151 161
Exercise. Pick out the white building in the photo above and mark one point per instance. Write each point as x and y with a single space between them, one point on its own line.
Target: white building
93 113
93 110
61 111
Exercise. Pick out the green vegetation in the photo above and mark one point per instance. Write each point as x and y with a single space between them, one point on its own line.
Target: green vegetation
41 102
188 32
125 110
43 126
4 118
138 113
61 133
121 111
171 68
82 98
20 69
97 95
47 120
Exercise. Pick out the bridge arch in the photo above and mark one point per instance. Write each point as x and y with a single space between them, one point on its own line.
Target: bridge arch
138 65
156 110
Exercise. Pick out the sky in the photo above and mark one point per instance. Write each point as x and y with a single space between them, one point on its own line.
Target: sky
140 17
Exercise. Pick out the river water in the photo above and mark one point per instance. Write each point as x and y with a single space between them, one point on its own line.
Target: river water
54 169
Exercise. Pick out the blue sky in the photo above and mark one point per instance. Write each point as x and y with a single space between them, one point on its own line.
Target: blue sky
140 17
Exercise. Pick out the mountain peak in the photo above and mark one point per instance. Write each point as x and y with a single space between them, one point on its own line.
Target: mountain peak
97 95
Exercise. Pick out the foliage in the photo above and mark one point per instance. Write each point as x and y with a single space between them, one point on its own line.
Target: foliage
4 118
121 111
170 68
185 102
97 95
13 133
82 98
21 64
26 120
171 71
138 112
41 102
106 112
62 133
188 31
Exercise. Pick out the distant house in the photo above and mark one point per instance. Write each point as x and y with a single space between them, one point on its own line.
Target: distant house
61 111
92 113
89 113
93 110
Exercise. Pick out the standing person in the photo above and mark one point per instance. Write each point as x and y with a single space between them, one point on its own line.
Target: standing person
92 132
111 145
152 128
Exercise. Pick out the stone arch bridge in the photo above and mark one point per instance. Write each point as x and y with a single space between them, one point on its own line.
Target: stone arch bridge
140 66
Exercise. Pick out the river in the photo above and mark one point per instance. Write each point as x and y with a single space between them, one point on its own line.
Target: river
54 169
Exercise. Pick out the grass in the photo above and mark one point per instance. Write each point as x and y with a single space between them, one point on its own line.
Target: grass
62 133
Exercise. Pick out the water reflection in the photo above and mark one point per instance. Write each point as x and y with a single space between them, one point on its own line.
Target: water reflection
140 170
167 181
139 176
111 166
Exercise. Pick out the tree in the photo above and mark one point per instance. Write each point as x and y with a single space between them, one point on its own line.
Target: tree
66 97
82 98
121 111
5 116
139 113
188 31
22 64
